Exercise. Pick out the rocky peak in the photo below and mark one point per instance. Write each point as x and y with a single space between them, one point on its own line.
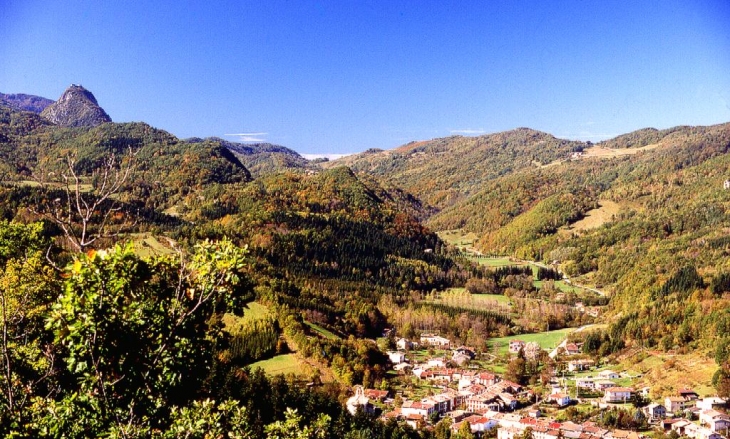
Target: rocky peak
77 107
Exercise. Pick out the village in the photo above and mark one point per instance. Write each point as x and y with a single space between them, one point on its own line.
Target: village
492 406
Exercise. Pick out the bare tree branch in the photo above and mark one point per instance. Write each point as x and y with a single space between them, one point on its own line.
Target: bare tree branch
84 216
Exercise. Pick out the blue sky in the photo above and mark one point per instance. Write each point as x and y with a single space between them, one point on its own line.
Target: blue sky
341 76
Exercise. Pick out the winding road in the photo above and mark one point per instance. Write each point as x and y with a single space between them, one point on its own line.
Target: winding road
554 352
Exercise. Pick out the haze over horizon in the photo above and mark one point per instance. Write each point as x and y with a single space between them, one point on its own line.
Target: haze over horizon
341 77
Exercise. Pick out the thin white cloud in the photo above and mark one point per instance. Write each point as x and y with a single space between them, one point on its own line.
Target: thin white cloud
248 137
468 131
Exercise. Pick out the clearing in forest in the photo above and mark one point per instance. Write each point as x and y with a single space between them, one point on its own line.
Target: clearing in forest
461 298
322 331
596 217
666 373
547 340
252 311
283 364
457 237
607 153
146 245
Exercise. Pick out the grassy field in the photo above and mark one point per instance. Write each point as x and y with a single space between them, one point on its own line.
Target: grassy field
322 331
146 245
457 237
496 262
546 340
666 373
461 298
594 218
663 373
499 298
252 311
562 286
255 311
283 364
607 153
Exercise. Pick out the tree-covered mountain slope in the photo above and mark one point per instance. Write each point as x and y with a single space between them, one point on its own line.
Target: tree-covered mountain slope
442 172
337 237
264 158
642 216
24 102
167 173
662 254
331 239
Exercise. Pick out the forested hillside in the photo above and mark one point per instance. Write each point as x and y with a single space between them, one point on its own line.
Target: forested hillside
661 252
264 158
443 172
335 256
118 344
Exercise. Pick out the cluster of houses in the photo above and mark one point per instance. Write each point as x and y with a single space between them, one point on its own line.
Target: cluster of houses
713 423
485 401
611 392
687 404
475 390
568 349
477 398
459 355
512 428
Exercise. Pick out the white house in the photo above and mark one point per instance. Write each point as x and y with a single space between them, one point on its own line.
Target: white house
655 411
405 344
694 431
359 400
674 404
435 341
436 362
396 357
603 384
618 394
477 424
608 374
417 408
577 365
586 383
486 378
463 350
710 403
510 402
509 433
573 348
515 346
561 399
716 421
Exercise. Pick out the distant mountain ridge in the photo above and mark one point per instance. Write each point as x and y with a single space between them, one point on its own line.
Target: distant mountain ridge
263 158
24 102
77 107
445 171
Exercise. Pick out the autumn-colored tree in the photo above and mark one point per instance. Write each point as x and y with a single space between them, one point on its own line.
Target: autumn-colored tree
464 432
